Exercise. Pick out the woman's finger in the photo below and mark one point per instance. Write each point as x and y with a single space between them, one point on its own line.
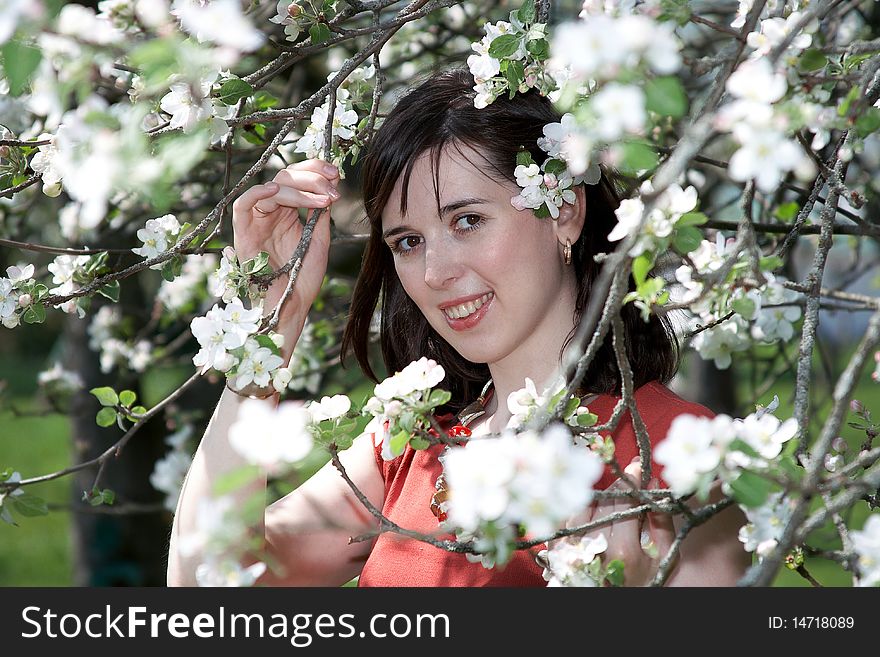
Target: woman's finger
291 198
307 181
243 205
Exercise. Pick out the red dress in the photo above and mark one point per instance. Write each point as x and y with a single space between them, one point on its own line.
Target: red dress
409 485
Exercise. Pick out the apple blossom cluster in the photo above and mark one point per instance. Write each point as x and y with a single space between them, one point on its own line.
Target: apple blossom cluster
510 58
220 22
764 313
183 293
157 236
547 187
96 149
349 95
672 210
866 545
600 48
170 471
230 344
765 524
528 480
273 438
190 111
766 153
575 561
67 274
402 404
57 382
525 405
20 296
698 450
218 536
105 339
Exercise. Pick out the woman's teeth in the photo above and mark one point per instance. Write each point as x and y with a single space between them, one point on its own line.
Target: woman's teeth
463 310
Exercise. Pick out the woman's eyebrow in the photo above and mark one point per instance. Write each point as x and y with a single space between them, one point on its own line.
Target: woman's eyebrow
446 209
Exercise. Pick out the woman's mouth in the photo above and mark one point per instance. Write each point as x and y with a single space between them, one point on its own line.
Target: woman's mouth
467 315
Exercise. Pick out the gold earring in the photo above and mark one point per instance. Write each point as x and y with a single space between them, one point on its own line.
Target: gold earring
566 252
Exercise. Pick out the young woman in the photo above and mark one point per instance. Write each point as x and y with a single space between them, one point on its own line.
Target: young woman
490 292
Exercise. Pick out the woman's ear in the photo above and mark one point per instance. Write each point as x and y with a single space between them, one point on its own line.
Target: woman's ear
571 218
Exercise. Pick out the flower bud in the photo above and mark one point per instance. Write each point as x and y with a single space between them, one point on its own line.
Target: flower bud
4 151
52 190
550 181
294 10
11 321
393 408
24 300
833 463
277 339
839 445
224 363
281 379
856 406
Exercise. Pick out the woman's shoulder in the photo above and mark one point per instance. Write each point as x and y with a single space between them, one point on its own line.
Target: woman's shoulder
654 400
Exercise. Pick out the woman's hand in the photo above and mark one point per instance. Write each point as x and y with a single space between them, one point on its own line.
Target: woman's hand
266 218
625 536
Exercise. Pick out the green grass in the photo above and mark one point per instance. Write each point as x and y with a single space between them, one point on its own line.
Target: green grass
38 551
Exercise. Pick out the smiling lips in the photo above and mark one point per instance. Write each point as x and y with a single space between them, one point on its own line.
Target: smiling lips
467 314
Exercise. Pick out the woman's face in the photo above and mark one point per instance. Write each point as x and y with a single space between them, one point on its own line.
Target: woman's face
489 279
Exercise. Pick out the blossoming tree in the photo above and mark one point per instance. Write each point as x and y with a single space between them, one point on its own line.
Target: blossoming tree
745 139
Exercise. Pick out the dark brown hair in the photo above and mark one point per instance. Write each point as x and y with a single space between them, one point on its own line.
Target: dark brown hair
440 113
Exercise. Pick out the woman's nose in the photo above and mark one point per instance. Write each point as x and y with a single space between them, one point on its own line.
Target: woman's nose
442 267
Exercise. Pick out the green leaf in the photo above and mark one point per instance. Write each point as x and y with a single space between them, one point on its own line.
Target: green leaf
514 74
171 268
156 60
687 239
398 442
34 314
614 572
438 398
233 90
106 395
770 263
504 46
111 291
637 157
106 417
6 517
19 63
691 219
524 158
127 397
739 445
868 122
417 442
29 505
744 306
319 32
554 166
539 49
750 490
641 266
527 12
843 108
587 419
812 60
263 100
666 97
787 211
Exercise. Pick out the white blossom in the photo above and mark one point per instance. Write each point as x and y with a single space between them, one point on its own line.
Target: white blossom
273 438
766 434
329 408
220 22
568 561
692 451
344 124
765 524
620 109
216 572
866 545
538 480
257 367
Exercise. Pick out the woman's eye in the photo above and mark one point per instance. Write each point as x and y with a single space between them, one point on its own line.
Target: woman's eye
468 221
405 244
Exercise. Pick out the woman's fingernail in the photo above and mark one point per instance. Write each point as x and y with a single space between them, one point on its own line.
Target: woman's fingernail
330 170
271 185
333 193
